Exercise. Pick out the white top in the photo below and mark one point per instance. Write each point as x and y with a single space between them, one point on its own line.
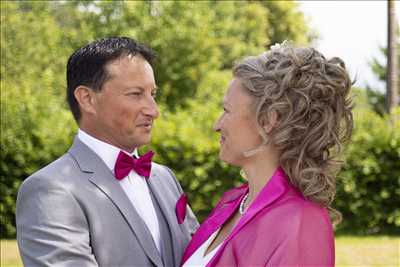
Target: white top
134 185
198 259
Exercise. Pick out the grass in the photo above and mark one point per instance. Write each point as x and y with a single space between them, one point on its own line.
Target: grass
350 251
9 254
368 251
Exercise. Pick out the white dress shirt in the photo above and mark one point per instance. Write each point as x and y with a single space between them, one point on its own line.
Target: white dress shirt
134 185
198 259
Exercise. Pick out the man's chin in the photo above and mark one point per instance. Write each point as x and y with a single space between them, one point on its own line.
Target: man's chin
143 141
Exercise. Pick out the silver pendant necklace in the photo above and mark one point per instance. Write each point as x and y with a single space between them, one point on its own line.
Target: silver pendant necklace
241 206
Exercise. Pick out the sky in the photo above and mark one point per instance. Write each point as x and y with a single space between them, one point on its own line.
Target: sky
353 31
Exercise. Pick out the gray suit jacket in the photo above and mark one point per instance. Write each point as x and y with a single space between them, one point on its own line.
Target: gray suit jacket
74 213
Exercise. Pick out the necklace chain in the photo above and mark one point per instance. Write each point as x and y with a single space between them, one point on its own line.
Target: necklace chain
241 207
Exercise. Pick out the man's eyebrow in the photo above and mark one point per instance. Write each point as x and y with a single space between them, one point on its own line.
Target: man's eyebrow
141 88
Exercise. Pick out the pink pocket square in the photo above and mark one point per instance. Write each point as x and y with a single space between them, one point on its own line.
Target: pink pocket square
180 208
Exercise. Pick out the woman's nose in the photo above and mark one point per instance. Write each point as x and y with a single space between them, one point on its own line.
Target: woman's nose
217 125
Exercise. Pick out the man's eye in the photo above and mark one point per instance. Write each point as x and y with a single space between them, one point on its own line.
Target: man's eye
154 94
135 93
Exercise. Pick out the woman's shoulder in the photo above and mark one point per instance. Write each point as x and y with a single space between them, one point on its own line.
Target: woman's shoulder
299 213
297 230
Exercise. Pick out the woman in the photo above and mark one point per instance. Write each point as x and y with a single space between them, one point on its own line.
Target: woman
286 114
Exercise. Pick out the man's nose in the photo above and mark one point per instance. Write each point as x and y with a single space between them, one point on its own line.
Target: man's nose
152 108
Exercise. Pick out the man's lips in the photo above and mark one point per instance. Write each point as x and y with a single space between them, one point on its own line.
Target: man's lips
222 139
147 125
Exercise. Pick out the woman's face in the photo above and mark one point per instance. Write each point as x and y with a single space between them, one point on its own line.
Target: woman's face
237 125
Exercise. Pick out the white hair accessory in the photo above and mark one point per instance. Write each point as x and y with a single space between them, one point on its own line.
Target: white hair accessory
277 47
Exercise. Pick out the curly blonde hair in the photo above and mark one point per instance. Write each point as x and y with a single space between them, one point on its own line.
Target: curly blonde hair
311 97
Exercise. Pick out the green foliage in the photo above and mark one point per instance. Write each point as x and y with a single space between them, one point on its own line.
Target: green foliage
368 187
286 22
185 141
35 126
378 67
197 43
376 98
191 38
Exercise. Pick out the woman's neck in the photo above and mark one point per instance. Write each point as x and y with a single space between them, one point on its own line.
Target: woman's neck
258 170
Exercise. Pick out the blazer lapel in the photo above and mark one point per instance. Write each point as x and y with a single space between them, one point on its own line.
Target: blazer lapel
168 210
275 188
104 179
271 192
221 213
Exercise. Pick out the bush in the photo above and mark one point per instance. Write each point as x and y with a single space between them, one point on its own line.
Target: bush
196 44
42 132
36 127
369 185
184 141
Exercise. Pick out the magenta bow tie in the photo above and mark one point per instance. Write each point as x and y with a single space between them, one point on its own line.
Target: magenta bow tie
126 163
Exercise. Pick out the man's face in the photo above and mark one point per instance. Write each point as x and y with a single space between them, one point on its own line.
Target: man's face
125 108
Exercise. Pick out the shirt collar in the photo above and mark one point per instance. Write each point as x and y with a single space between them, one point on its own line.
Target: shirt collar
107 152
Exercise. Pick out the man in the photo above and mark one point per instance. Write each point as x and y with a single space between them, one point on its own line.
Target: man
100 205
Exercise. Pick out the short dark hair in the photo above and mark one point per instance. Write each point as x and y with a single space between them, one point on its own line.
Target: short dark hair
87 65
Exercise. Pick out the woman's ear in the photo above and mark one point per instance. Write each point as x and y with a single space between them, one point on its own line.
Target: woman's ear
269 121
86 99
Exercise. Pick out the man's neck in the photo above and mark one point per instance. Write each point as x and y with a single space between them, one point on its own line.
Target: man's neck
100 137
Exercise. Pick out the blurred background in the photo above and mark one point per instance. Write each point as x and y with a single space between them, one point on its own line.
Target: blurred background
197 43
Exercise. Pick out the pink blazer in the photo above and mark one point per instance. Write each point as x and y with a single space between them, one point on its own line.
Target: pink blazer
280 228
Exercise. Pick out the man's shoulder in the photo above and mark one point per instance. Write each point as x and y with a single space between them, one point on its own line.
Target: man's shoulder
161 170
57 171
163 176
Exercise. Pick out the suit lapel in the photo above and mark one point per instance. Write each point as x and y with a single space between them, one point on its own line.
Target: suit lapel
168 210
103 178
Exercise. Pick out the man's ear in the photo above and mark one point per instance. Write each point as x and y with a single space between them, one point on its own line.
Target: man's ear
269 122
86 99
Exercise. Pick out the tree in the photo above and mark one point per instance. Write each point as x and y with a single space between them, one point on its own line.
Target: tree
286 22
191 38
35 126
196 44
392 78
377 99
